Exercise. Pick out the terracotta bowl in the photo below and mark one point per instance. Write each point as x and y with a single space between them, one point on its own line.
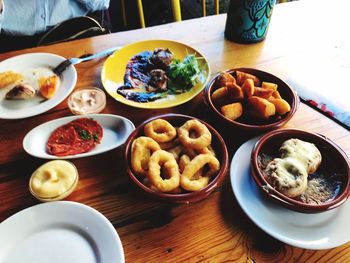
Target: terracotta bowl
217 143
334 163
248 124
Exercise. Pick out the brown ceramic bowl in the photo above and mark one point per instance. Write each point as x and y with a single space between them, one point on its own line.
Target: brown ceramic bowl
249 124
334 166
217 143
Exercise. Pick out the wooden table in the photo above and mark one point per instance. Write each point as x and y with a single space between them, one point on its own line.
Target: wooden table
215 229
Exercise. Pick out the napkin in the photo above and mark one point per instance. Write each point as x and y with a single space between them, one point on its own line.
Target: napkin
325 88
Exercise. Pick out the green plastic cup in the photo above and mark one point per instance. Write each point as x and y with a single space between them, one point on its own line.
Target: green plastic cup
248 20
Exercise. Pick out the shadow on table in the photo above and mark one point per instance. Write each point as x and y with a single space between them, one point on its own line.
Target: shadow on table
235 218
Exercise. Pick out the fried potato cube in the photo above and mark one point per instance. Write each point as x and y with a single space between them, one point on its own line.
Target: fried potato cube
220 96
48 86
225 95
235 93
242 76
263 93
269 85
232 111
8 78
260 108
276 95
281 105
225 79
248 87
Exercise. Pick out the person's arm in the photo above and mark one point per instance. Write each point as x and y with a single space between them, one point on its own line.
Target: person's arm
1 13
94 5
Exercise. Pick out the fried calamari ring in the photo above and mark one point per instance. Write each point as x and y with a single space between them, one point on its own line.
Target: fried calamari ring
160 130
170 144
163 163
202 138
176 151
141 150
189 152
180 149
184 161
194 185
148 183
165 174
207 150
197 163
193 153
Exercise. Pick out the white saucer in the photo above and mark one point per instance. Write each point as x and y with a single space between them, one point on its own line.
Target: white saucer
59 232
310 231
116 129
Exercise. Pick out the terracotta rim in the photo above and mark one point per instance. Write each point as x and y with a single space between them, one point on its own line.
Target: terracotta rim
294 105
292 203
185 197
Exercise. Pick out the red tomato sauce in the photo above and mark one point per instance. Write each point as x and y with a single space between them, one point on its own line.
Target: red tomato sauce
78 136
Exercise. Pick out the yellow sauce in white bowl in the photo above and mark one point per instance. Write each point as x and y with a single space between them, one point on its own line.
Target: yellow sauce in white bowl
54 180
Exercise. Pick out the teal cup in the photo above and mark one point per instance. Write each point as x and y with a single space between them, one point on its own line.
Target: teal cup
248 20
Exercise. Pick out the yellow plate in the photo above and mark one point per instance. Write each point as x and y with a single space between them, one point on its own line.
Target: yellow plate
113 72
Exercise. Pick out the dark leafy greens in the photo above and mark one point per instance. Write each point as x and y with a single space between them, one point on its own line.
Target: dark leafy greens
84 134
183 75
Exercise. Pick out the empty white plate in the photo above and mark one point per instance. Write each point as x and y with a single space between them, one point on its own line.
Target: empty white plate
116 130
32 66
310 231
59 232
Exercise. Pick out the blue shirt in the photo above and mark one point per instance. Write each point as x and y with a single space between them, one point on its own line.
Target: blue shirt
28 17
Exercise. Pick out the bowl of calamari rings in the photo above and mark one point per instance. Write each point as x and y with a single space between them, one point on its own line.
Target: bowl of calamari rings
176 158
300 170
251 100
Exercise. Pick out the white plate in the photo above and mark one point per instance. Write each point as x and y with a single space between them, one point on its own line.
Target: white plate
116 130
40 64
59 232
310 231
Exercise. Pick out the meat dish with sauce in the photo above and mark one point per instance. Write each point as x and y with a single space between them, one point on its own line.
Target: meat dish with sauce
150 76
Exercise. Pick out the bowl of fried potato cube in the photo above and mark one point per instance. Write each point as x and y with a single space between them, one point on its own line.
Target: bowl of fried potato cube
251 99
